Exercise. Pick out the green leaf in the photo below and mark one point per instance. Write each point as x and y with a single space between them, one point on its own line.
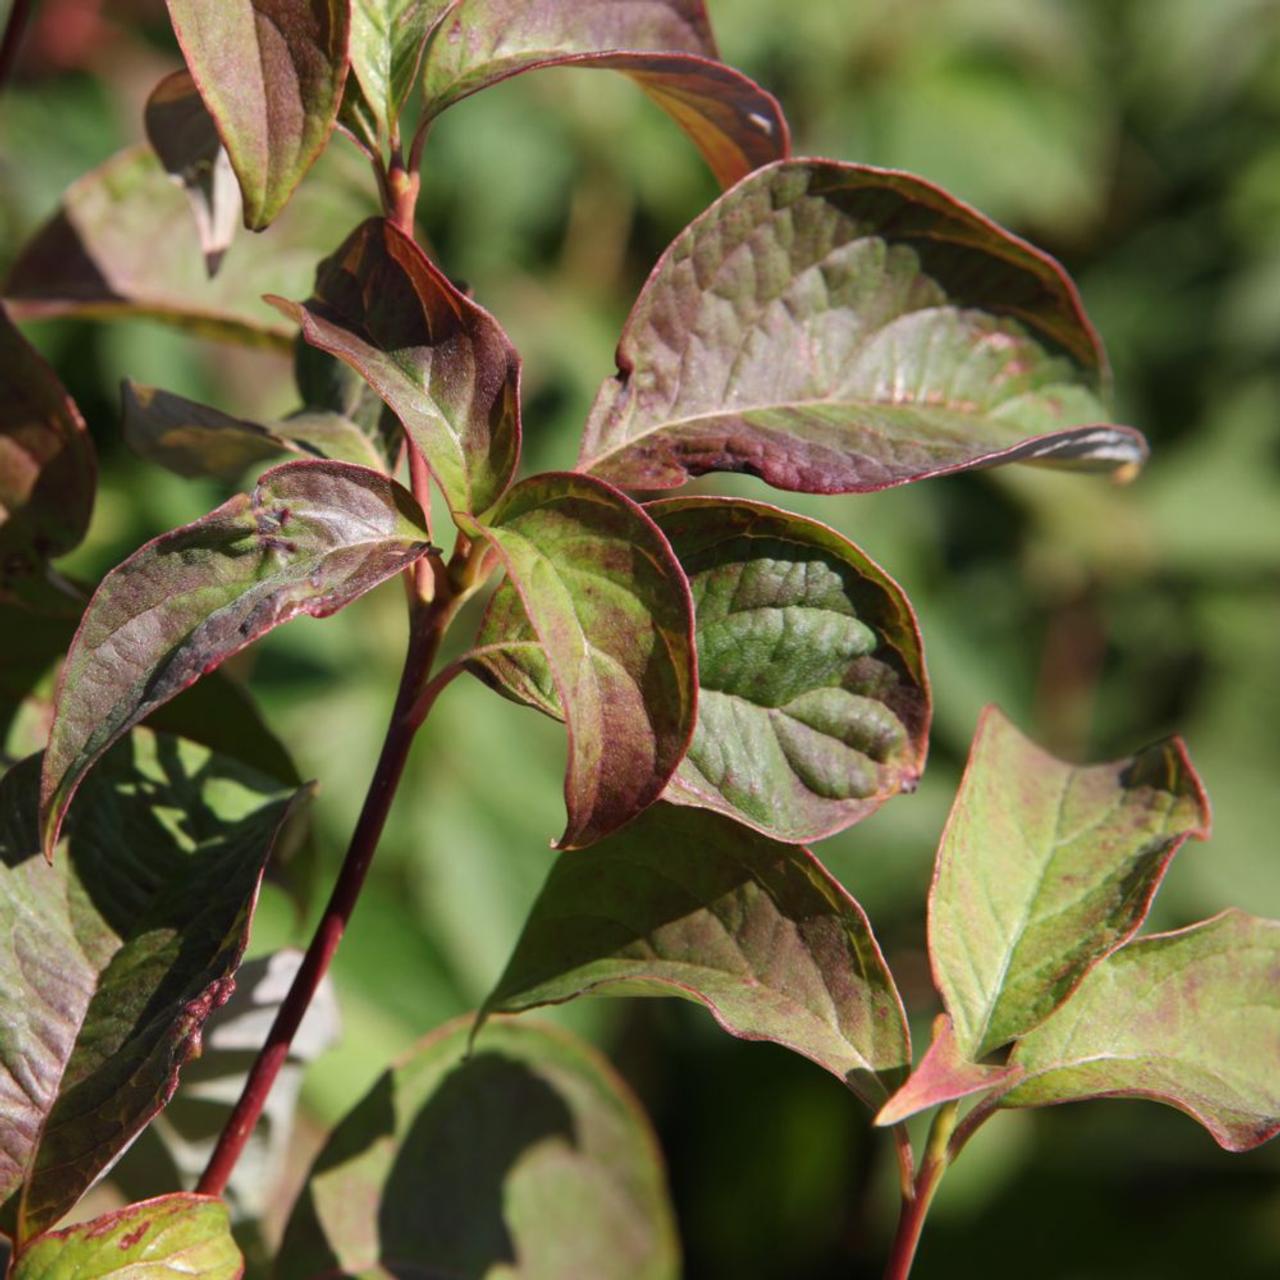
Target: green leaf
606 600
184 136
271 74
1044 869
1190 1018
177 1237
312 537
113 957
834 328
442 363
664 45
48 469
527 1158
687 903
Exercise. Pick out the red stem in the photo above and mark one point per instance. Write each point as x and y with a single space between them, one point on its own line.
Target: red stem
13 30
916 1199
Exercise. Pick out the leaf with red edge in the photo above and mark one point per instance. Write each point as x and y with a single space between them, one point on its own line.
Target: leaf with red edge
112 958
1044 869
182 133
665 46
835 328
440 361
1191 1019
48 469
312 537
610 608
271 74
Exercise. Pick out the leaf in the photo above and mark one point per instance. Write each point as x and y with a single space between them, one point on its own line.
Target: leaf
1190 1018
441 362
834 328
609 605
687 903
112 959
664 45
182 133
329 386
48 470
123 243
176 1237
943 1075
527 1159
1044 869
312 537
271 73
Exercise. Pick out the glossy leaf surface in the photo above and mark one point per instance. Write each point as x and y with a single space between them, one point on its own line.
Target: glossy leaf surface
271 74
687 903
387 37
312 537
47 464
113 957
182 133
177 1237
834 328
527 1159
441 362
606 600
1190 1018
1045 868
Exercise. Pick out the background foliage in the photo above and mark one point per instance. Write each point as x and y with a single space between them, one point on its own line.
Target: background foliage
1138 142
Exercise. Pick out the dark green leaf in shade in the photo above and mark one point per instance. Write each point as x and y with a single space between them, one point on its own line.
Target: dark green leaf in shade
664 45
182 133
835 328
326 384
312 537
176 1237
687 903
271 74
606 600
48 469
527 1158
1045 868
439 360
1190 1018
113 957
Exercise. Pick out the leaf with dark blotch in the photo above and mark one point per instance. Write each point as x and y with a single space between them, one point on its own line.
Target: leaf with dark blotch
441 362
1190 1018
1045 868
48 469
312 537
943 1075
528 1158
175 1237
687 903
665 46
124 243
112 958
834 328
183 135
609 605
271 73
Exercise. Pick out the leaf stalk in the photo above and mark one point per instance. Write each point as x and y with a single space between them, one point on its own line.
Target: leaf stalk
915 1202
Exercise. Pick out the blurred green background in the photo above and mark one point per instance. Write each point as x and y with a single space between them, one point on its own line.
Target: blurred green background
1139 140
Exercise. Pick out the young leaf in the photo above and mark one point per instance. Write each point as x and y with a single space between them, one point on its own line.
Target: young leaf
664 45
834 328
686 903
608 603
1190 1018
312 537
441 362
271 74
1045 868
113 958
527 1158
48 469
176 1237
185 138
